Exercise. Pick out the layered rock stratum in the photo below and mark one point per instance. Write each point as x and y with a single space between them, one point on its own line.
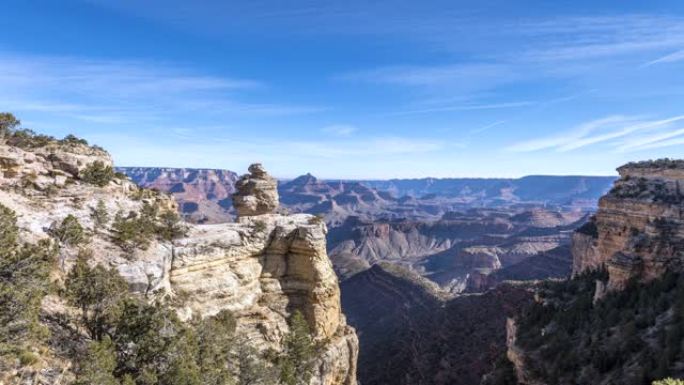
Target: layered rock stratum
261 268
256 193
638 230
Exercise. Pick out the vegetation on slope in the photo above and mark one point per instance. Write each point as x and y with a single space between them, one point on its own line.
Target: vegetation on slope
119 338
632 336
24 272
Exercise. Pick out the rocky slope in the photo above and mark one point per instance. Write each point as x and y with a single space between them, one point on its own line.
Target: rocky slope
411 332
261 268
619 320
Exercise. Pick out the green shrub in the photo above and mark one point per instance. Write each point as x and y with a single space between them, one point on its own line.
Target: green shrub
72 139
97 173
99 215
170 226
8 231
7 124
97 292
260 226
69 231
24 281
25 138
132 232
296 365
27 358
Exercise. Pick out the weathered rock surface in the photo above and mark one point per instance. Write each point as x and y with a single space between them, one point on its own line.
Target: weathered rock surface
262 268
257 192
638 230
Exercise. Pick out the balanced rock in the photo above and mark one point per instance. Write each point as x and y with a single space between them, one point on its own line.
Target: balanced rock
256 193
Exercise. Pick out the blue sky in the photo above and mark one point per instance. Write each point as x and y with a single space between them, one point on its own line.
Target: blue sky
353 89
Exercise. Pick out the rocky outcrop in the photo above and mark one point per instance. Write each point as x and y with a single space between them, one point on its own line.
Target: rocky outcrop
257 192
635 238
262 268
638 230
47 167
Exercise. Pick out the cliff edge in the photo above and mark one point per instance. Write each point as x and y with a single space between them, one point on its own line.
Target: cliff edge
262 268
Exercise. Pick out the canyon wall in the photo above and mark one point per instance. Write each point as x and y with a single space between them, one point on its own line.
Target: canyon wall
638 230
627 286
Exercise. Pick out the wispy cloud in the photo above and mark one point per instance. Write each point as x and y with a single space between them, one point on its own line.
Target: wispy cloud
671 58
339 129
661 139
467 107
431 76
487 127
102 91
611 130
585 38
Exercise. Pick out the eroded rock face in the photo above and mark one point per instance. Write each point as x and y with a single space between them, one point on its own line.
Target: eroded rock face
262 268
639 227
257 192
48 166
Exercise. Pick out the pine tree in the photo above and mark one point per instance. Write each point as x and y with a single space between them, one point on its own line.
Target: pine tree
24 281
97 292
99 364
99 215
296 362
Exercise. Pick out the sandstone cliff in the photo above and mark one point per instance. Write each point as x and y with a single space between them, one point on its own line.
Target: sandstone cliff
638 230
261 268
619 320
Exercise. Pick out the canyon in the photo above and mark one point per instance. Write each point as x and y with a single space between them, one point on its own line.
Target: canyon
457 232
449 287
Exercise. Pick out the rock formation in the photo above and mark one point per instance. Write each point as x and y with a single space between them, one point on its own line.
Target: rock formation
628 287
638 230
261 269
257 193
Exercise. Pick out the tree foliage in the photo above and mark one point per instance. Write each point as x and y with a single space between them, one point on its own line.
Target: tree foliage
24 281
97 292
69 231
136 230
170 226
98 174
612 338
296 361
100 215
8 122
132 231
